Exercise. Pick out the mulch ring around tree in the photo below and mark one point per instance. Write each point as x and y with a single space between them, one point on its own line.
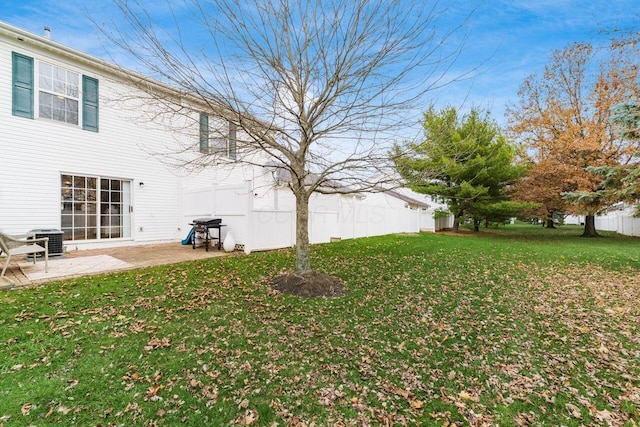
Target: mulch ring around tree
309 284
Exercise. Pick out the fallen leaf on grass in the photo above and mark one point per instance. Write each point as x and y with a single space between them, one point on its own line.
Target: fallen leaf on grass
416 404
248 418
603 415
154 389
464 395
573 410
26 408
72 384
63 410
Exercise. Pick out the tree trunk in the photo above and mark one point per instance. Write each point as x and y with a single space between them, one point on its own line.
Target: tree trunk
550 223
590 227
456 223
303 259
476 225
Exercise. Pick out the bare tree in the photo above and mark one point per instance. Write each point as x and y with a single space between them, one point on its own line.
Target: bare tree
322 87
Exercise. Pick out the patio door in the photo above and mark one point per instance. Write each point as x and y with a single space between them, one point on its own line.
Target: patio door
95 208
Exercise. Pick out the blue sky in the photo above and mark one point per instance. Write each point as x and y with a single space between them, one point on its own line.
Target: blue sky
508 39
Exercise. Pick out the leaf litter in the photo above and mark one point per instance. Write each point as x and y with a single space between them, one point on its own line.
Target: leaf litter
514 344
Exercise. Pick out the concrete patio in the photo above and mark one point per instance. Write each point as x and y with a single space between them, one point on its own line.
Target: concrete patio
92 261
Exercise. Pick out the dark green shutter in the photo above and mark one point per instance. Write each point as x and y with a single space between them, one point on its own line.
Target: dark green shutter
89 104
204 133
22 99
232 141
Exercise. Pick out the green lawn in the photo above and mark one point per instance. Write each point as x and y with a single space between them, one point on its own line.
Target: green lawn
512 326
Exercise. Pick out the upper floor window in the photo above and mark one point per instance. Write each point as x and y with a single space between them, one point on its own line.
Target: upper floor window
59 94
222 142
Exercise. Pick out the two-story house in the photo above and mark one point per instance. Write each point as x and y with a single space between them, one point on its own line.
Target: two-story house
74 157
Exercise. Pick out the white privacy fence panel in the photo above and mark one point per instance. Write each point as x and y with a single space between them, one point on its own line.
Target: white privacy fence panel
377 221
233 200
198 203
607 223
426 221
234 224
269 230
430 224
323 226
226 202
347 215
363 219
442 223
413 220
629 226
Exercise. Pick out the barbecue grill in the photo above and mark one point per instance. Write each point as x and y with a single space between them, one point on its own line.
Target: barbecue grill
202 228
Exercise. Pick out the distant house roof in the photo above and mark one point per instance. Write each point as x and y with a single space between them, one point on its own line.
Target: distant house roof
410 200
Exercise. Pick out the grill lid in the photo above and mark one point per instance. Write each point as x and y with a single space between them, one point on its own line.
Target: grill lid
207 221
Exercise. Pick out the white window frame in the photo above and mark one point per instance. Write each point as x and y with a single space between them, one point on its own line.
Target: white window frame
39 89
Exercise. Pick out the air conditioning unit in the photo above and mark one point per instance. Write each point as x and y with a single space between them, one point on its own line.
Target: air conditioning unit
55 240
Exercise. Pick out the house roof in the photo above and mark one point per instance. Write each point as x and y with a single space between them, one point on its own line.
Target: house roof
282 175
58 49
92 62
404 197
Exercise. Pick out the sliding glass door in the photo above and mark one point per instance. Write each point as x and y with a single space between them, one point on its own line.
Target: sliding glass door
95 207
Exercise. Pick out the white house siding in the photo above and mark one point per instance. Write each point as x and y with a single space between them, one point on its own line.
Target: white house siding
35 152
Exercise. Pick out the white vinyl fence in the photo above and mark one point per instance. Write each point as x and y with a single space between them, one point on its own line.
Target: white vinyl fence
429 223
621 221
628 225
607 222
330 216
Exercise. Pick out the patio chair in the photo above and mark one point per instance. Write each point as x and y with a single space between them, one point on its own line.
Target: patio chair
24 244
